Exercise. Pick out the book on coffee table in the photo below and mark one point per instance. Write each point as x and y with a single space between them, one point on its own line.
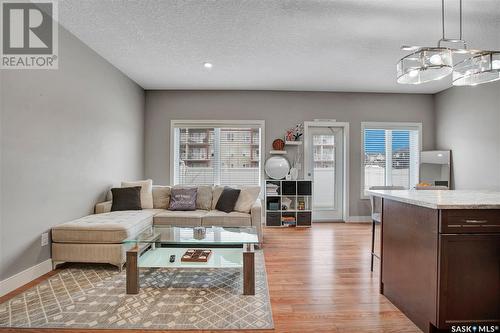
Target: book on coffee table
196 255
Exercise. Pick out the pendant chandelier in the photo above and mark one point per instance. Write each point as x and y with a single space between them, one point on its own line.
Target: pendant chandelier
427 64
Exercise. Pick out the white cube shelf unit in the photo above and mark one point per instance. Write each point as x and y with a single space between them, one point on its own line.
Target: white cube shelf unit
288 203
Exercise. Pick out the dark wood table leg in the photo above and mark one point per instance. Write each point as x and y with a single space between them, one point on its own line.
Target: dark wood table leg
248 269
132 271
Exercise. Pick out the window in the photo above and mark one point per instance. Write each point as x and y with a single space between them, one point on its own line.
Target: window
208 153
324 151
390 154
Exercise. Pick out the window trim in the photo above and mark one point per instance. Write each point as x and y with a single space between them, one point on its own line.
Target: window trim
213 124
385 126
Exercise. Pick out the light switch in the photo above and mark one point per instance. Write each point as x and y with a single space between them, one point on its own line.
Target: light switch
45 239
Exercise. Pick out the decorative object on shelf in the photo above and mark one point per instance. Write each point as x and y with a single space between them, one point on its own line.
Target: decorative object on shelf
277 167
272 189
301 205
294 170
274 206
288 221
293 143
278 144
294 134
285 203
427 64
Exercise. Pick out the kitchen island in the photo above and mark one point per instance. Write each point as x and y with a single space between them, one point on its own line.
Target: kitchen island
440 256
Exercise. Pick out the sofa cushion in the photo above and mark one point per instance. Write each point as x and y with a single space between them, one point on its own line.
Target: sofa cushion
161 196
227 199
247 198
204 198
180 218
203 195
146 191
128 198
183 198
154 211
216 192
233 219
112 227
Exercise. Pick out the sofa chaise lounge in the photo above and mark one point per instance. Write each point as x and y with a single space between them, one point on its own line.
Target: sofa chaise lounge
98 238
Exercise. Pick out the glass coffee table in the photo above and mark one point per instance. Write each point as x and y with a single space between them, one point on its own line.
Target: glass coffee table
232 247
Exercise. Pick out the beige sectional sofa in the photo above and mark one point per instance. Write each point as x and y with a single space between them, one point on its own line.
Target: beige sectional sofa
98 238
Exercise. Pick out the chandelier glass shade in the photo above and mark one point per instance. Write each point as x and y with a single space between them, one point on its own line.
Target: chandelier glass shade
480 68
425 65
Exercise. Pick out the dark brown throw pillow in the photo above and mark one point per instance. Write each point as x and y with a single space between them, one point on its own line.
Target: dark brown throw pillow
126 198
227 199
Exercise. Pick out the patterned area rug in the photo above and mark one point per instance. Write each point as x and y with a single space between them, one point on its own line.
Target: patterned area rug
90 296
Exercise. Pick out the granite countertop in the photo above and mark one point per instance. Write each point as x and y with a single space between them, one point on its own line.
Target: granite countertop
461 199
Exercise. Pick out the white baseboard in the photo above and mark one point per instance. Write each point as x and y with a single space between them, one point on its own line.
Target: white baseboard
359 219
26 276
363 219
326 219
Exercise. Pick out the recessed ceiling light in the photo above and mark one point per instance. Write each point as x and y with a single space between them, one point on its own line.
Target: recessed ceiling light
208 65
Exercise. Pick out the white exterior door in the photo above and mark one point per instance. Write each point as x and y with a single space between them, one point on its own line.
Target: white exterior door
324 164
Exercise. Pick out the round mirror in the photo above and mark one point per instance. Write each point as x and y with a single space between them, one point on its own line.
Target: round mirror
277 167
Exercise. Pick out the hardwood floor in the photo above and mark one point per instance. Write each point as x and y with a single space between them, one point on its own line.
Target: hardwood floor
319 281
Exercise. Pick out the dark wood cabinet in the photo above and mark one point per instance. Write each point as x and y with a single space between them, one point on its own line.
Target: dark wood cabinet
441 267
469 280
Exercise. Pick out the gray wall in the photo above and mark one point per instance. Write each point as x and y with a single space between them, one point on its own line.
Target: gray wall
280 110
468 123
1 169
66 136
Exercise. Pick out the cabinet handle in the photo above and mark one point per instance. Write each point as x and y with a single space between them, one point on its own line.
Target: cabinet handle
476 221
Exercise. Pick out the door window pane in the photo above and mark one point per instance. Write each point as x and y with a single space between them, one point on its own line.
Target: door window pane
324 171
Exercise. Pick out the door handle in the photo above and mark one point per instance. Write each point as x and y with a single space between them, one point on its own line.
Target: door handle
476 221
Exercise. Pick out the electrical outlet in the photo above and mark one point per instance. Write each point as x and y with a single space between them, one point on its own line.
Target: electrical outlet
45 239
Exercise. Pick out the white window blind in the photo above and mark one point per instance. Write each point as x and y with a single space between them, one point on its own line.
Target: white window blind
196 156
217 155
390 155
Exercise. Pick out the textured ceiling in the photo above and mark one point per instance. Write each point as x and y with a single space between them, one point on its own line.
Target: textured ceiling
337 45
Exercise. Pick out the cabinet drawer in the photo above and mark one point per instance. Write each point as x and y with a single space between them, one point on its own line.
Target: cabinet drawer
273 219
304 219
465 221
